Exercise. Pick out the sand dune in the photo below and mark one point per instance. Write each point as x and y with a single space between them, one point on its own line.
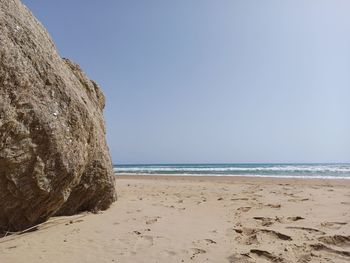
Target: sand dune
200 219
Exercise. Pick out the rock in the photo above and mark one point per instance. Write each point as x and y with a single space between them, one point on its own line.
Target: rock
54 159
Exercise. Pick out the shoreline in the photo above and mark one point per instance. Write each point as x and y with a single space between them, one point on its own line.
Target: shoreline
234 178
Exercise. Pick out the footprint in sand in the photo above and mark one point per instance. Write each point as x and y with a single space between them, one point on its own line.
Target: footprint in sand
295 218
274 205
244 208
307 229
336 240
263 254
249 232
239 258
253 236
205 242
333 225
320 247
152 220
267 221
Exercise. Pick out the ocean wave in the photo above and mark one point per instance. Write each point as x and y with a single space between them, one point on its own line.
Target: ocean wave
252 175
273 169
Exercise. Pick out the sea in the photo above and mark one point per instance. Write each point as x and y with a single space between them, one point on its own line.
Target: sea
296 170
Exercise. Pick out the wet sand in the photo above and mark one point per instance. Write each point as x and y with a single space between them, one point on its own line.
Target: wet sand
200 219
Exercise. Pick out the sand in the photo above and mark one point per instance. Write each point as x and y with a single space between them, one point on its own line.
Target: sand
199 219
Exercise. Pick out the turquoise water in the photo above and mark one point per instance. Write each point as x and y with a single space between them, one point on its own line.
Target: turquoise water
337 171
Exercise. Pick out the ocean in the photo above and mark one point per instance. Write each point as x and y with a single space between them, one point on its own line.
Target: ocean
321 170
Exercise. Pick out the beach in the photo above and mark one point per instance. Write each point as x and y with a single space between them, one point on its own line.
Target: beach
174 131
199 219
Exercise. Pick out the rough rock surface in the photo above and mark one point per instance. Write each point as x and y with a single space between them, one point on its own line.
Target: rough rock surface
53 155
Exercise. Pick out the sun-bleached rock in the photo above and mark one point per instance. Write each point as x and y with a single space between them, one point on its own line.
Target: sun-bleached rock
54 159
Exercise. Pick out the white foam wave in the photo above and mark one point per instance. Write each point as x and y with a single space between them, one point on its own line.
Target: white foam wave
290 168
240 175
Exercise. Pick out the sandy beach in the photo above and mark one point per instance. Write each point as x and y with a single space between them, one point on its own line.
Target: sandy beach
174 131
199 219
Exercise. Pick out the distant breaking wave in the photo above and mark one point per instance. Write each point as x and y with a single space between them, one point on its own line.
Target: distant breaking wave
340 171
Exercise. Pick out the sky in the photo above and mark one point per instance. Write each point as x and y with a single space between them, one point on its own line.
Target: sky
205 81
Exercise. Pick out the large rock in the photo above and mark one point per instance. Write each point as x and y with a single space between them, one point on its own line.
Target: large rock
53 155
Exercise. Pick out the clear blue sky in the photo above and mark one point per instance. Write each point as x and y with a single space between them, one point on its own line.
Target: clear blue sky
214 81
